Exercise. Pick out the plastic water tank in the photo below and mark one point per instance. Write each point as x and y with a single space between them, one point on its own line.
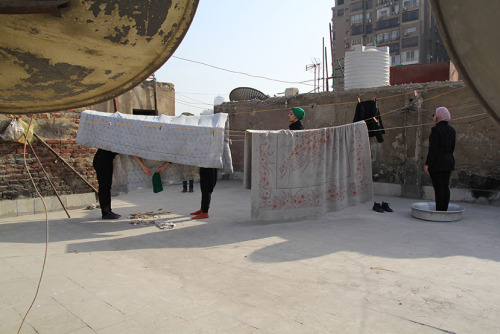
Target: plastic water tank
367 67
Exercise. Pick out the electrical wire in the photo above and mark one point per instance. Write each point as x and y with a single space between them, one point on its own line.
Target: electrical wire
46 229
243 73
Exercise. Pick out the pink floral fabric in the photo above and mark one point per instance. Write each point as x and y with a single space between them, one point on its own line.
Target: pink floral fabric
297 174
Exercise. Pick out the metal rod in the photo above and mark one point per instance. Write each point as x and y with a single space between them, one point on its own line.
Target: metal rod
64 162
48 178
326 69
323 64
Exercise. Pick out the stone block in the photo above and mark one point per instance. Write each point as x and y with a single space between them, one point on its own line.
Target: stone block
8 209
25 206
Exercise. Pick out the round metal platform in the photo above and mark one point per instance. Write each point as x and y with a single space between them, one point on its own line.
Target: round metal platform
427 211
84 52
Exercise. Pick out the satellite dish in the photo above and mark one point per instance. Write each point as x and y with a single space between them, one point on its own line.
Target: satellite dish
246 93
58 55
468 29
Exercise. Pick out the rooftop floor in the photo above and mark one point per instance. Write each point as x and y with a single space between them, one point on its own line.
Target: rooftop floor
352 271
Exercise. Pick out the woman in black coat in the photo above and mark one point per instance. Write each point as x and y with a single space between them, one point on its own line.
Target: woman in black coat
440 161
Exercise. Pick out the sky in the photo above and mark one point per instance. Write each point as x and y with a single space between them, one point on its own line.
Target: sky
275 39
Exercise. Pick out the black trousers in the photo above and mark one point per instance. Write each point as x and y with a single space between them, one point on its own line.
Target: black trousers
440 183
208 179
104 172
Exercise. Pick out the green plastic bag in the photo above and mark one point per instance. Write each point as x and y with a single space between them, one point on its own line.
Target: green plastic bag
157 186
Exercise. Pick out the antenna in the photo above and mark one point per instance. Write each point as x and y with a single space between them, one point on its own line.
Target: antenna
314 66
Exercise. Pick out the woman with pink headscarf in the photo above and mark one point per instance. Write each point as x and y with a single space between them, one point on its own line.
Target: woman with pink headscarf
440 161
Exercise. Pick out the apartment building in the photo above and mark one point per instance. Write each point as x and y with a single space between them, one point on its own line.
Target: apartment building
407 27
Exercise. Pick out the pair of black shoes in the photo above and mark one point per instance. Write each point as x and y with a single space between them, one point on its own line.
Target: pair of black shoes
111 215
381 207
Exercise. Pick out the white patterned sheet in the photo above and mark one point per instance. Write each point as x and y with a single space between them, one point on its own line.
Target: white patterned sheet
297 174
186 140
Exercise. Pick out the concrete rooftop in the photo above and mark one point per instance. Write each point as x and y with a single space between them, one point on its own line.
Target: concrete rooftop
352 271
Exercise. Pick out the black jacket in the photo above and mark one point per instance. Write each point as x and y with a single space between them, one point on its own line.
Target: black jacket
441 147
296 126
365 111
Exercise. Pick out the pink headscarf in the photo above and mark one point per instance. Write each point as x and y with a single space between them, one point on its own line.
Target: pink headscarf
442 114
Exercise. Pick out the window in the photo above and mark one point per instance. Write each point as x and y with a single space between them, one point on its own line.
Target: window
395 10
394 35
386 24
356 41
357 30
356 19
369 28
368 4
383 37
340 2
409 57
382 13
395 60
410 42
410 16
381 2
411 3
410 30
340 12
394 48
357 6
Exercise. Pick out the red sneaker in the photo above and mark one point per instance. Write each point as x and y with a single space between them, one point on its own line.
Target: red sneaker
196 212
200 216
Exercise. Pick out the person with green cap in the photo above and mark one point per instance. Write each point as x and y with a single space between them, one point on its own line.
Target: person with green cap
295 116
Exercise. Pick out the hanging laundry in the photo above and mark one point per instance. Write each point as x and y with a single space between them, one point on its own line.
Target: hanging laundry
298 174
368 111
188 140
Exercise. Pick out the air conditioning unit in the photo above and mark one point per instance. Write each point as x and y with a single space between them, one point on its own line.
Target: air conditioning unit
404 8
369 20
407 34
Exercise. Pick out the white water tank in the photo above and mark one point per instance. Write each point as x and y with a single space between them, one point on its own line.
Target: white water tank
367 66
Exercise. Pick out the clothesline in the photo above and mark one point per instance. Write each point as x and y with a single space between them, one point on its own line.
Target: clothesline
232 132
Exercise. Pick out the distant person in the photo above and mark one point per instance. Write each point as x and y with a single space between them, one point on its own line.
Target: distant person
103 165
208 179
295 117
440 160
185 186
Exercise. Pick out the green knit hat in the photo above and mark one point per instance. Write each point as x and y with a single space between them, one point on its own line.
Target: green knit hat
298 112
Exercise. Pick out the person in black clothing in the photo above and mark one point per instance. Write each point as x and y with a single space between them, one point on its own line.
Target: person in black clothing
103 165
208 179
295 116
440 161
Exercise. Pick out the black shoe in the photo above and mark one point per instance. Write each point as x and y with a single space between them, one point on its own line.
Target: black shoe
184 189
377 207
190 190
111 215
385 207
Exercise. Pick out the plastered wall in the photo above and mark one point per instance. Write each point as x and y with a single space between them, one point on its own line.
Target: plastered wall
407 118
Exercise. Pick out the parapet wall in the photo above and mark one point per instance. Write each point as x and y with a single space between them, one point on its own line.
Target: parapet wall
407 117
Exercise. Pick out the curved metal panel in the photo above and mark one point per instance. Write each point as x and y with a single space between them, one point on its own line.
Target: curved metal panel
91 52
469 30
246 93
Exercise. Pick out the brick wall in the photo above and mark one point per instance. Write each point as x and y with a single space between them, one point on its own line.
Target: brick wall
58 130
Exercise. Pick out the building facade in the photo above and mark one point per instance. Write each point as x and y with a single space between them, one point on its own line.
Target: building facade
407 27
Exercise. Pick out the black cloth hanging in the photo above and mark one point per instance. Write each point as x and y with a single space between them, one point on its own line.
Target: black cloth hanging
368 111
